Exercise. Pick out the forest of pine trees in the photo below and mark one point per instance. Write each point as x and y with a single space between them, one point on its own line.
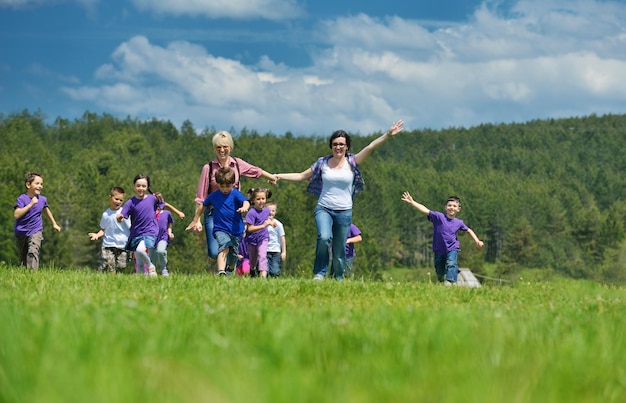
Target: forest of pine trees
546 194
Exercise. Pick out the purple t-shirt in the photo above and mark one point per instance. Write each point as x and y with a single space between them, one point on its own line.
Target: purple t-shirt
31 222
142 213
257 217
354 231
243 247
444 232
225 216
164 219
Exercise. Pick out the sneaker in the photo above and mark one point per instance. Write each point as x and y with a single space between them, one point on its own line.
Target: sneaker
448 283
318 277
152 271
221 273
229 269
165 273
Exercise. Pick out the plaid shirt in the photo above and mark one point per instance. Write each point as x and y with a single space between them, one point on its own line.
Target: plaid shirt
315 183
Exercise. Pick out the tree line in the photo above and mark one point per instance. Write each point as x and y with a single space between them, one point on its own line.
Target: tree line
545 194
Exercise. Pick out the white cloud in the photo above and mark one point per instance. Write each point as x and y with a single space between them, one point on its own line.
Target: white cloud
245 9
529 62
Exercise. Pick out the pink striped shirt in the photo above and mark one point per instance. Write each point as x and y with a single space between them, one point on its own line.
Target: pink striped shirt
238 165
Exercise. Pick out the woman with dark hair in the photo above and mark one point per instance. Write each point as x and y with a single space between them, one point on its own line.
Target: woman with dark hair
336 178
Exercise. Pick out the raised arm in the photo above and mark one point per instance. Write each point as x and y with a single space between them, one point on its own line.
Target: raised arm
296 177
393 130
174 210
406 197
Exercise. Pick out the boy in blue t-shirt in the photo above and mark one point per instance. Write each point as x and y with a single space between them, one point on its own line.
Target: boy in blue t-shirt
28 222
228 203
445 242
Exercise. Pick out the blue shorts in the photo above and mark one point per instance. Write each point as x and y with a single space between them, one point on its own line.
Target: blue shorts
224 241
134 242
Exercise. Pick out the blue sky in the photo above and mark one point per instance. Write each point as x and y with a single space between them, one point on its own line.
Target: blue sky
311 67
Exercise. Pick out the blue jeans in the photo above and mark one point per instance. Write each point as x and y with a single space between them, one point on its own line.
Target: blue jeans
274 263
211 242
446 266
158 255
333 227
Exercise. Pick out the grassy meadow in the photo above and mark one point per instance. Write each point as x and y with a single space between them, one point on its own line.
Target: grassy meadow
79 336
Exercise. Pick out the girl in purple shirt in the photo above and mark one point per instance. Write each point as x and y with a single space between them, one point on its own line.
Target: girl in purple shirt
144 229
258 219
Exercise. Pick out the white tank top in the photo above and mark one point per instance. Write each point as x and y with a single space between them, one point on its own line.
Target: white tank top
337 187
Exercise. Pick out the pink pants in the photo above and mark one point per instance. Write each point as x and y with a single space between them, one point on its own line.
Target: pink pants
243 267
258 253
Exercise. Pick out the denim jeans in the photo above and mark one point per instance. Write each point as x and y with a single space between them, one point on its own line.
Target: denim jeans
230 242
332 231
446 266
211 242
158 255
274 263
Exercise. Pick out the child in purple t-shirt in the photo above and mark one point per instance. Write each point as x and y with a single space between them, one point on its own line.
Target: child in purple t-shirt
165 223
28 222
144 229
445 242
243 264
258 219
354 236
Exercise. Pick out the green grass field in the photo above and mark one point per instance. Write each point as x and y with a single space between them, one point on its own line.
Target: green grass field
72 336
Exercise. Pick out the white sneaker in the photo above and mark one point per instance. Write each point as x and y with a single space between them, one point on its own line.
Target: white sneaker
152 271
165 273
318 277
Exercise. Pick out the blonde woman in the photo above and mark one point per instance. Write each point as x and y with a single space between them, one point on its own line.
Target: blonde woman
223 146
